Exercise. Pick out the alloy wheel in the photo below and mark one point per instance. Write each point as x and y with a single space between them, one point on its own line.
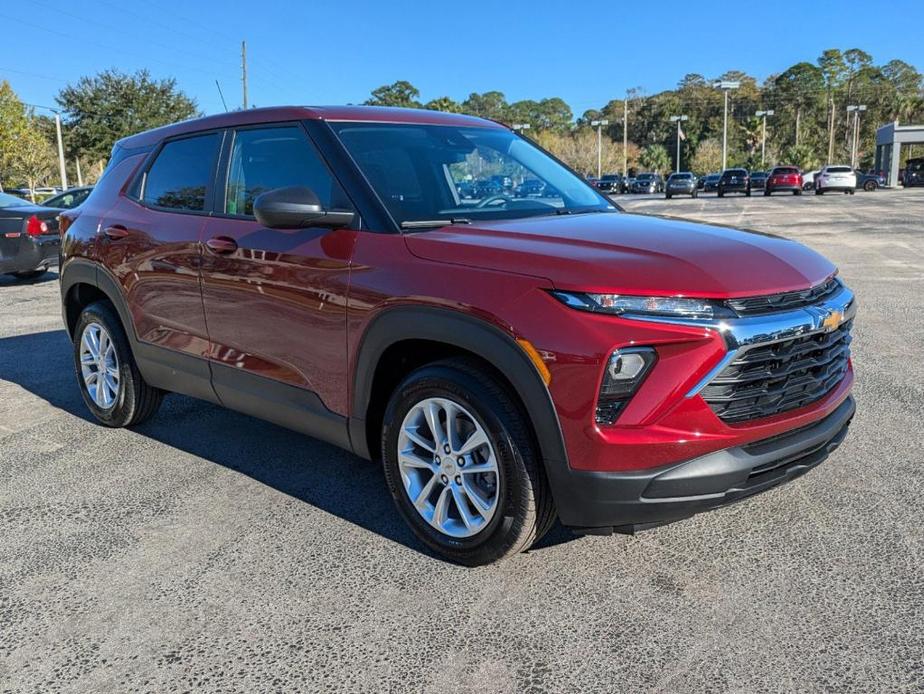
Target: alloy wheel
449 467
99 365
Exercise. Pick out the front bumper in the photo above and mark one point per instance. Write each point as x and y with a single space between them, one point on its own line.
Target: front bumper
604 502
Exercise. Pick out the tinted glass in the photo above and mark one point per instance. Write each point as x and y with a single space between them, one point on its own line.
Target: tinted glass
263 159
915 165
180 174
438 172
839 169
681 177
785 170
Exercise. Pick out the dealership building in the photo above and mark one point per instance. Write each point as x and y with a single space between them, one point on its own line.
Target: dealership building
889 141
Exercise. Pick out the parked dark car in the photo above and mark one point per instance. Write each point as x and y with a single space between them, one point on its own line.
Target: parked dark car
711 182
759 180
505 182
648 183
69 198
610 183
508 366
29 240
681 183
485 188
530 188
914 172
784 178
734 181
871 180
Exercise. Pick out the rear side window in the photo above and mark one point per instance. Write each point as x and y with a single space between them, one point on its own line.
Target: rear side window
263 159
178 178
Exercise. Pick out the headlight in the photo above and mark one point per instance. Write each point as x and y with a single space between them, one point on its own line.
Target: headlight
645 305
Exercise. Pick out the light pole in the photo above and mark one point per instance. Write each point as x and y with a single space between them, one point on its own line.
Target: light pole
678 120
763 137
598 124
854 153
726 86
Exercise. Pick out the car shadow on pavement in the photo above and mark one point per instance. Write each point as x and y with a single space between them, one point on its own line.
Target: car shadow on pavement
322 475
10 280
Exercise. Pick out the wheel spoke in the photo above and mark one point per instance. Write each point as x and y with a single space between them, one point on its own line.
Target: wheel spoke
411 459
482 505
459 498
432 413
473 442
452 434
413 434
441 510
489 465
421 499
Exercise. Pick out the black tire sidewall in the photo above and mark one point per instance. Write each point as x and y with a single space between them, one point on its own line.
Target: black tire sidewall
122 411
505 527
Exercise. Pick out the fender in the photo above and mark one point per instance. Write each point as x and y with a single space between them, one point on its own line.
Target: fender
161 367
478 337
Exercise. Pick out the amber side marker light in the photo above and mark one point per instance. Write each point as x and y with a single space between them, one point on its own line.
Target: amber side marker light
536 359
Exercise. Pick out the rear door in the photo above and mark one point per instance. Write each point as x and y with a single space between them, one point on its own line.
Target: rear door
150 241
275 300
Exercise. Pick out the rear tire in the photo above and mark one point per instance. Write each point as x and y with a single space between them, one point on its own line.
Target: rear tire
766 193
797 192
748 192
132 400
523 510
721 193
870 186
819 191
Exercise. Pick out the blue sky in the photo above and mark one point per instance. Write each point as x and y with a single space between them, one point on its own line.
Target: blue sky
324 52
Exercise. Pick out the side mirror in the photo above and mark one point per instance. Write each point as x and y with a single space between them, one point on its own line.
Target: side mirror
296 207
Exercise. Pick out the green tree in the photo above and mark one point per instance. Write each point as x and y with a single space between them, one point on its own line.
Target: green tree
797 90
33 160
13 123
443 103
655 158
708 157
102 109
400 93
491 105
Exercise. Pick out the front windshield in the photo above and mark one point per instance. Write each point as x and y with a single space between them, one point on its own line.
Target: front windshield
7 200
439 172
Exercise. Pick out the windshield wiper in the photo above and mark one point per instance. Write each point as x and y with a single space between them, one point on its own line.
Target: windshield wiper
432 223
581 210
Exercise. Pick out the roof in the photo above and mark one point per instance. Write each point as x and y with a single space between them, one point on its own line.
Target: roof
369 114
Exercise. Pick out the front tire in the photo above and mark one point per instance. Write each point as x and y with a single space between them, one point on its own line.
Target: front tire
110 383
485 499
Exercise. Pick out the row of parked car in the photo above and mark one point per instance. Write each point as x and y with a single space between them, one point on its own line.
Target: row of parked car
834 178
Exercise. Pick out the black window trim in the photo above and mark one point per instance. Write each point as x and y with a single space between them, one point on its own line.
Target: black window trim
224 169
142 174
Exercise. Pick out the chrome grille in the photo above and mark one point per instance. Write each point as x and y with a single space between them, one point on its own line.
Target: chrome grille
754 305
768 379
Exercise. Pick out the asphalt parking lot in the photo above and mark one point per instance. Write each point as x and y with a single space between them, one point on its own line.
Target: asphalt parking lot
210 551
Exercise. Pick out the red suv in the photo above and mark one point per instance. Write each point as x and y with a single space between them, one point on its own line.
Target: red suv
510 360
787 178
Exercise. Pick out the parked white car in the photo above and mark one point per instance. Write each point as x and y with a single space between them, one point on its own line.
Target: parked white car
836 178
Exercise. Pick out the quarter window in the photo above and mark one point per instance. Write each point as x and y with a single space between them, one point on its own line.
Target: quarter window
179 176
263 159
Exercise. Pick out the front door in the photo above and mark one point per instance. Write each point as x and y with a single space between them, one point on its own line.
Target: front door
275 300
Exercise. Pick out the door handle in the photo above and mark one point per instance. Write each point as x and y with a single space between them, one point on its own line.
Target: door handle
116 231
222 245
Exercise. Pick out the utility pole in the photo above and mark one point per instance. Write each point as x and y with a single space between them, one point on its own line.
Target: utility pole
61 165
79 176
244 71
855 145
763 137
726 86
677 120
598 124
625 138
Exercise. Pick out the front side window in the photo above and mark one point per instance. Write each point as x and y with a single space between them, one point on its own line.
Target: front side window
263 159
438 172
178 178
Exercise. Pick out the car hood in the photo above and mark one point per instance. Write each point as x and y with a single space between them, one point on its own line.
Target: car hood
630 254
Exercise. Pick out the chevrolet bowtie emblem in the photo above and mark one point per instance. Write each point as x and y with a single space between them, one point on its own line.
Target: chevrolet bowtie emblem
833 321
